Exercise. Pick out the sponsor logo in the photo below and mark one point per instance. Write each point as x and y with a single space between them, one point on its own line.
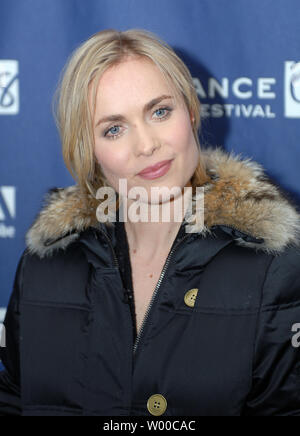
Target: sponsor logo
9 87
7 210
250 98
292 89
242 88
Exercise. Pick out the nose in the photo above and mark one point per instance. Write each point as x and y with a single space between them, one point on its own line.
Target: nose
146 140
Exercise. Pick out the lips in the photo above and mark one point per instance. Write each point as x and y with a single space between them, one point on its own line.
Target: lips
161 169
155 167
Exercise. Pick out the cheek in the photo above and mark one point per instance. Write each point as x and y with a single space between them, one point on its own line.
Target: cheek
110 160
182 138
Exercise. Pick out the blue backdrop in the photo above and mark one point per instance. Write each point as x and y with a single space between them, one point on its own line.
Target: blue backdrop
243 57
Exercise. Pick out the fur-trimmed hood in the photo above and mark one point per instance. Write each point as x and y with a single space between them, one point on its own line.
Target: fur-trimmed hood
238 196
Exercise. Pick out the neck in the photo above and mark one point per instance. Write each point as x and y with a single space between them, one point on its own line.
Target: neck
149 240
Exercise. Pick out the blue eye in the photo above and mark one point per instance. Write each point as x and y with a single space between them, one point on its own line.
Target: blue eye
113 131
161 109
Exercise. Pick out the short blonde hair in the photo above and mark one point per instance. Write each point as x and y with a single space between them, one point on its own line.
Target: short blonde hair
80 77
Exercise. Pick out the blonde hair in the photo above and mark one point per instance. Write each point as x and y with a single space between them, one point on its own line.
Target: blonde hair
81 75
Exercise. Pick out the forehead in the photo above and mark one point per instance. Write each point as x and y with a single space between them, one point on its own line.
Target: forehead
132 79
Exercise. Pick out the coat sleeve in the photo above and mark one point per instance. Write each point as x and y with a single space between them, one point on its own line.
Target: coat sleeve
276 365
10 403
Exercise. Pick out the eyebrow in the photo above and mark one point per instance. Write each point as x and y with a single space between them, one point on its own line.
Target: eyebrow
147 107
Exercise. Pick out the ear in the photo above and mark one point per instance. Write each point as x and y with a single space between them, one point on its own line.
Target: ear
192 117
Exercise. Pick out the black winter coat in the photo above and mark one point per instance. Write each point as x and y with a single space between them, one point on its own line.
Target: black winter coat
219 336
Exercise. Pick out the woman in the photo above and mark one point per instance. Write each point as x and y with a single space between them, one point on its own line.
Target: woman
148 317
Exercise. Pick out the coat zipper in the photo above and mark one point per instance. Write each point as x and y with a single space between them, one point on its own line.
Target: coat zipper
165 267
111 247
118 266
156 287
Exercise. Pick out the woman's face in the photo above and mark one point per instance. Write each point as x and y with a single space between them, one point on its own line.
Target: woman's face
141 135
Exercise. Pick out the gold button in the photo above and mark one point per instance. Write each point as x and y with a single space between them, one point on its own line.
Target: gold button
157 404
190 297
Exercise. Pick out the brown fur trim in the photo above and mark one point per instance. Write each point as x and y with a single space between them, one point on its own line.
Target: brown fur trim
238 194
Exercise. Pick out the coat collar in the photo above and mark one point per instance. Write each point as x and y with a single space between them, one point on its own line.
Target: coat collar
239 200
